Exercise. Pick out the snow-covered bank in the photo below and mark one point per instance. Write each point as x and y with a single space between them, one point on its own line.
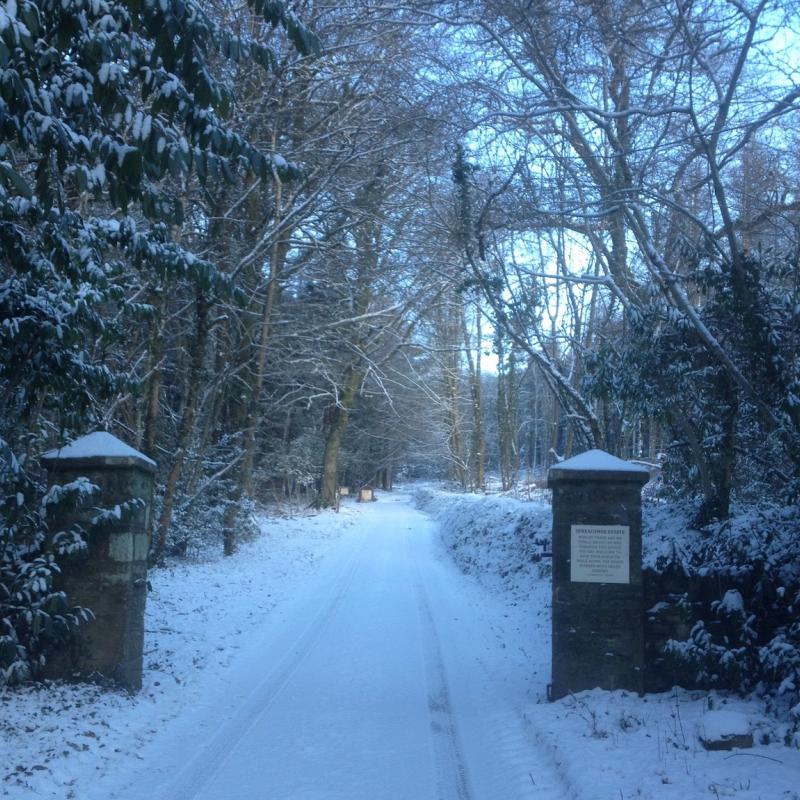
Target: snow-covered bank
54 738
610 745
498 540
507 534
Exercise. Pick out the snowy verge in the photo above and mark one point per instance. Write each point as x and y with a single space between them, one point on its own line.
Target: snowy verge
53 738
617 745
500 541
498 536
611 744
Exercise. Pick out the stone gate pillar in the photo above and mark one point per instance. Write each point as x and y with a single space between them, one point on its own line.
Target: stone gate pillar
598 625
110 577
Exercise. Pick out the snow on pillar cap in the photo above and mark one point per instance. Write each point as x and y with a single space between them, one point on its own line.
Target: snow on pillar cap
99 449
597 465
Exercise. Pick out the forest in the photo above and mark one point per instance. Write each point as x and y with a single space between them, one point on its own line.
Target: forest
284 246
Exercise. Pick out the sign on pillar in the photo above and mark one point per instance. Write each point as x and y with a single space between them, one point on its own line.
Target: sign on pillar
598 613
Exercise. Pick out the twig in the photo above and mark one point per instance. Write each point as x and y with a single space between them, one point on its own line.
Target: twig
753 755
211 480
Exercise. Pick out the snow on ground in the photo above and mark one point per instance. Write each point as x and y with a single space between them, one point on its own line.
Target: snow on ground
617 745
340 653
499 540
199 614
611 745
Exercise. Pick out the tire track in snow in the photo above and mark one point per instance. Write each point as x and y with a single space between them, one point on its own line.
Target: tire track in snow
451 772
528 766
195 774
552 762
514 761
530 763
526 760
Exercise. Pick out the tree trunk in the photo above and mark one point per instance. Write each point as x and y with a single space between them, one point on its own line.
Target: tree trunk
197 352
723 461
333 439
477 453
253 418
153 389
507 416
455 444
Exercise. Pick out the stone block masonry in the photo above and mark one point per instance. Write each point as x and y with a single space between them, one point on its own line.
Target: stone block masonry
598 635
110 577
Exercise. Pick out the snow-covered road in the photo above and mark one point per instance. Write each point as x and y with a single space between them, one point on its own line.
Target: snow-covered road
386 676
345 656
